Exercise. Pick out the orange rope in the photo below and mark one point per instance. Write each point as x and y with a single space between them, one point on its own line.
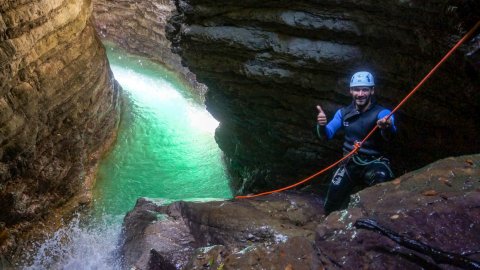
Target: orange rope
358 145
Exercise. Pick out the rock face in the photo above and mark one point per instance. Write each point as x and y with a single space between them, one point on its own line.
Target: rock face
58 109
139 27
437 205
188 235
267 64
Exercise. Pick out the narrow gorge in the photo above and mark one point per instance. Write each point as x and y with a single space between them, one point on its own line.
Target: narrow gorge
261 67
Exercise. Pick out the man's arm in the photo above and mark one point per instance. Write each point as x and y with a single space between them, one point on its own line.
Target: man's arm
327 130
387 126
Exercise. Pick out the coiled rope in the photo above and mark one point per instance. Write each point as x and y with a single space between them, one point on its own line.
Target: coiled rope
358 145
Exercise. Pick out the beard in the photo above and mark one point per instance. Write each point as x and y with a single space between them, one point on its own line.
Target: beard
362 102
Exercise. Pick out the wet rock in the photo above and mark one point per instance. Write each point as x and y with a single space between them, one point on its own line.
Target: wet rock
151 235
268 64
59 109
448 220
289 231
221 233
157 262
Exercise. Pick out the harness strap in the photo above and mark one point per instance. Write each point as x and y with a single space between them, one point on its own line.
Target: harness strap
381 160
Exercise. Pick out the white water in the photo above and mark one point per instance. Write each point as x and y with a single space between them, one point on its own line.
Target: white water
79 247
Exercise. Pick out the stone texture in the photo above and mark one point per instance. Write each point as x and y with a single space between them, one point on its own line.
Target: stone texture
437 205
139 27
267 64
190 235
59 109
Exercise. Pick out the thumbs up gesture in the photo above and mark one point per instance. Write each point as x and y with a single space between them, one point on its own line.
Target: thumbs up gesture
321 117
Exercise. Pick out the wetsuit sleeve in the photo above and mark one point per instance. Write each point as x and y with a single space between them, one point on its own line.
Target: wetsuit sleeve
331 128
389 133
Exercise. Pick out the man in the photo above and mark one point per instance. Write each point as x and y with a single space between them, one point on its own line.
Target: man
368 167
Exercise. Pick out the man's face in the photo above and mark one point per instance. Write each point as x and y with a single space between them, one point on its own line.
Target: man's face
361 95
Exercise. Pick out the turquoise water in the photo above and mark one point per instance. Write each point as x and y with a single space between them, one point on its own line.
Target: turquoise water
165 146
165 150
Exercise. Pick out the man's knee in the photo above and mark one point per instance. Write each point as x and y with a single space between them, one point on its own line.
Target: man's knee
378 175
339 177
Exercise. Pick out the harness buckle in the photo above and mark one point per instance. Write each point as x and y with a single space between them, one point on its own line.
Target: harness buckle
357 144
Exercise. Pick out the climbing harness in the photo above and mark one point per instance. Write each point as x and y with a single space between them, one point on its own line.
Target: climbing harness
362 162
358 145
381 160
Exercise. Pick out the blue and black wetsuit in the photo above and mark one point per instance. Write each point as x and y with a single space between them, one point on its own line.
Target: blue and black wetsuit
368 166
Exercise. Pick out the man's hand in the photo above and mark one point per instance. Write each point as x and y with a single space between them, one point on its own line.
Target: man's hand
384 123
321 117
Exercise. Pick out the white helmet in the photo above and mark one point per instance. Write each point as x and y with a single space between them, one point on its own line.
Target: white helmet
362 78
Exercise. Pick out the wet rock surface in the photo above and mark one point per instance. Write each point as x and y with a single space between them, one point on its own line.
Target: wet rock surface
438 205
139 27
58 112
268 64
223 232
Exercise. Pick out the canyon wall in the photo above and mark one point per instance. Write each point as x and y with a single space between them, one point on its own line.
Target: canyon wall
267 64
139 28
59 108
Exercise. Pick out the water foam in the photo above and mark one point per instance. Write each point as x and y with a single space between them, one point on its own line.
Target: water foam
80 247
